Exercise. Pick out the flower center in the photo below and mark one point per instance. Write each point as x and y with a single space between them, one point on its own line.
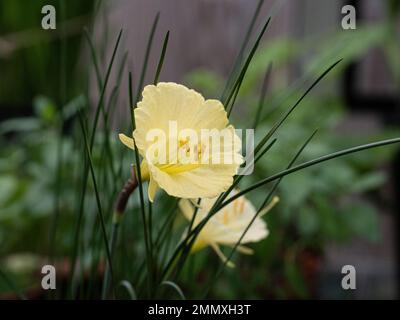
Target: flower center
187 158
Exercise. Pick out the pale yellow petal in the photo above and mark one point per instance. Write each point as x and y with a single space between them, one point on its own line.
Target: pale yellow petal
144 171
167 102
257 232
212 115
152 189
231 233
225 150
163 103
228 225
203 182
199 244
186 208
127 141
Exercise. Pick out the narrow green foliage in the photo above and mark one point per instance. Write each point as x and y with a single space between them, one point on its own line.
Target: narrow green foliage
263 94
94 58
97 194
265 202
129 289
107 275
238 83
103 90
312 163
162 56
174 286
146 58
243 46
12 285
286 115
131 106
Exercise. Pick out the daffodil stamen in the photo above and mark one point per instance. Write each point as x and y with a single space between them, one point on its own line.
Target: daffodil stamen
220 254
269 207
245 250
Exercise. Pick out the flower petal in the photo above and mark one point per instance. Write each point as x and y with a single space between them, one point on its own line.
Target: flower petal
187 208
212 115
153 186
127 141
165 102
204 182
231 234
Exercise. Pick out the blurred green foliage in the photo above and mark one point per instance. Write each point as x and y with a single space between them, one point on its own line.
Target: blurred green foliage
320 204
30 59
27 170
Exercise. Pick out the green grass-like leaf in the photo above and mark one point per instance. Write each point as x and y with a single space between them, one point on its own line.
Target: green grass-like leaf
98 201
162 56
265 202
103 90
146 59
312 163
174 286
243 46
234 92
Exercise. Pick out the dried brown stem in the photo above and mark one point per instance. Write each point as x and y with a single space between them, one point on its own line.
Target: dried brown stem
125 193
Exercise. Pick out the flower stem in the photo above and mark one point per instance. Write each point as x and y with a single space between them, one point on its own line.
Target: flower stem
120 207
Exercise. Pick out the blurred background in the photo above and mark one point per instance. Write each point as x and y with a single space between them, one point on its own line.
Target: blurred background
340 213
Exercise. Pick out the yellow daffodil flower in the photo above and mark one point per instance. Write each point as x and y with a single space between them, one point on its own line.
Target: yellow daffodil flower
176 159
227 225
